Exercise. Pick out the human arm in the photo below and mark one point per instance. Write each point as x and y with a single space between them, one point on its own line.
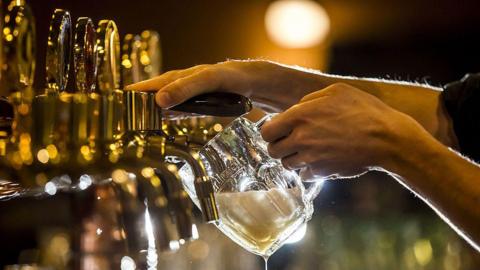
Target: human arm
276 87
341 131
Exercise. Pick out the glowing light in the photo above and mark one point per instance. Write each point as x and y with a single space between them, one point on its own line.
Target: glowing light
148 172
127 263
50 188
144 59
85 150
297 235
172 167
119 176
126 63
174 245
152 257
217 127
52 151
155 181
297 23
59 244
422 249
99 231
194 232
149 230
85 181
22 109
43 156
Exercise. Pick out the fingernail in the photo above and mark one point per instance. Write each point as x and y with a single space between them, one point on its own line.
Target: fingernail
164 99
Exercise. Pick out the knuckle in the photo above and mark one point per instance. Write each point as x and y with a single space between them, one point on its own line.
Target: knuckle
272 151
335 89
340 85
294 115
170 73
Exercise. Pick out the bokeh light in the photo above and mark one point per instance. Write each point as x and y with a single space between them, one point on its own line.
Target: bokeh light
297 23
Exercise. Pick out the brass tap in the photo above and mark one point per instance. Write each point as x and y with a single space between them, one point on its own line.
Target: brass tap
144 115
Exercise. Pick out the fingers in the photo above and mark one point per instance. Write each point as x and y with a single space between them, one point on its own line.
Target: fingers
166 78
281 125
294 162
180 90
282 148
312 96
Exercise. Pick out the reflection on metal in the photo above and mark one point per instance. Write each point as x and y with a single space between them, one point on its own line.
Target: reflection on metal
108 49
18 50
99 153
58 51
142 112
85 55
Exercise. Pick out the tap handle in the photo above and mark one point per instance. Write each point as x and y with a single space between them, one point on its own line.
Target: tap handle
219 103
108 48
18 50
58 51
85 55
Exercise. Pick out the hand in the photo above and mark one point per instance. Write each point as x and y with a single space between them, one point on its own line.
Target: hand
271 86
339 131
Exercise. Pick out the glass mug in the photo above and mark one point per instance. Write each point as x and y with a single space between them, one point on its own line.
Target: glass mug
260 203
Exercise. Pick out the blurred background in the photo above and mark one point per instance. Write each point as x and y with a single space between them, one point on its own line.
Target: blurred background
367 223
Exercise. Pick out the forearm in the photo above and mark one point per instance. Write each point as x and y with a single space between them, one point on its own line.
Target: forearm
446 181
421 102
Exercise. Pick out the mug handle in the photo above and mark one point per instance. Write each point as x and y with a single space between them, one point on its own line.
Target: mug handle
315 184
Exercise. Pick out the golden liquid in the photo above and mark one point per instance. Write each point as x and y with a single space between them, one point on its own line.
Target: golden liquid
260 221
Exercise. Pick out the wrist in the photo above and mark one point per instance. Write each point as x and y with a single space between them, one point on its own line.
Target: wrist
413 151
284 84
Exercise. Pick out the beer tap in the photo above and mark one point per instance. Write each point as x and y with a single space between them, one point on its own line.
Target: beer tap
97 203
144 128
18 50
50 114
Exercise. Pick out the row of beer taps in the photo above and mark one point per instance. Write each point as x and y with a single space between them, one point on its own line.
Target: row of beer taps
98 139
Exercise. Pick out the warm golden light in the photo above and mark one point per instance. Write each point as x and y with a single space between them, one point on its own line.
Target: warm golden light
148 172
217 127
297 23
422 250
119 176
42 156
